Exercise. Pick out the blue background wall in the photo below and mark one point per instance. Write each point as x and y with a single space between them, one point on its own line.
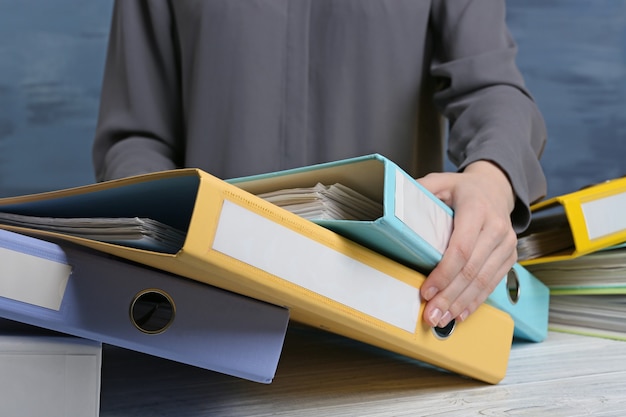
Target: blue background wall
572 53
51 61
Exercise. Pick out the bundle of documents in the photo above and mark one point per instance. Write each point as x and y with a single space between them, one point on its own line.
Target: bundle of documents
547 235
588 292
602 271
240 243
590 315
140 233
323 202
587 273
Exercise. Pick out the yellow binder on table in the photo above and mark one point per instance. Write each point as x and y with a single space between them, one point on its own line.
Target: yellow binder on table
575 224
195 225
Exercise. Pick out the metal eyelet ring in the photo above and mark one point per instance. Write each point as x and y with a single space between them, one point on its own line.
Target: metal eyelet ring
512 286
442 333
152 311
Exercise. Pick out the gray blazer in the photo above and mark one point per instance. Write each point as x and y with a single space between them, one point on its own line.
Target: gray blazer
238 87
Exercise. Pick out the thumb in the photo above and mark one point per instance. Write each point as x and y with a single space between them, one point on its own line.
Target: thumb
440 184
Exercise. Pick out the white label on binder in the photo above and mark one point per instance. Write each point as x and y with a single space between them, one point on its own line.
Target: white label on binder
278 250
33 280
605 216
421 214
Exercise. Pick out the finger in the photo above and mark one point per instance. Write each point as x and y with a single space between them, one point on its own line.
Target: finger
446 282
448 303
497 261
470 260
488 278
438 184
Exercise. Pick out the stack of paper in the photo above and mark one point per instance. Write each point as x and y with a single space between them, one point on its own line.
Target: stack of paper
600 272
588 292
591 315
325 202
547 235
141 233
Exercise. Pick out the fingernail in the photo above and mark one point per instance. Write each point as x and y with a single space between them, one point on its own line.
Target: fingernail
445 319
430 293
463 315
435 316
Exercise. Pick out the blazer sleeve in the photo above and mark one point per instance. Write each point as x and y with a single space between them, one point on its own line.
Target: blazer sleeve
491 114
139 122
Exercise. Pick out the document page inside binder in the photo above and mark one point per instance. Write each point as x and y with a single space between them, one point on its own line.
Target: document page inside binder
280 251
421 213
152 215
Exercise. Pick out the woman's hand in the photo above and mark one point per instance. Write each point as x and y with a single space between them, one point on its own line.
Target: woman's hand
482 246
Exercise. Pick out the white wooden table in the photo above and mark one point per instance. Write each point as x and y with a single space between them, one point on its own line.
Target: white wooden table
326 375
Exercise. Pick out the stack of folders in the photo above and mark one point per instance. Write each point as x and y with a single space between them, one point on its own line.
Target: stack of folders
576 245
372 201
240 243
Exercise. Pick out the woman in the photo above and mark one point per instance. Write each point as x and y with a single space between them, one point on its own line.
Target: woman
239 87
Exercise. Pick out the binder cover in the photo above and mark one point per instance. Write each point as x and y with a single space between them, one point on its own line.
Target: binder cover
595 216
413 229
241 243
81 292
48 374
